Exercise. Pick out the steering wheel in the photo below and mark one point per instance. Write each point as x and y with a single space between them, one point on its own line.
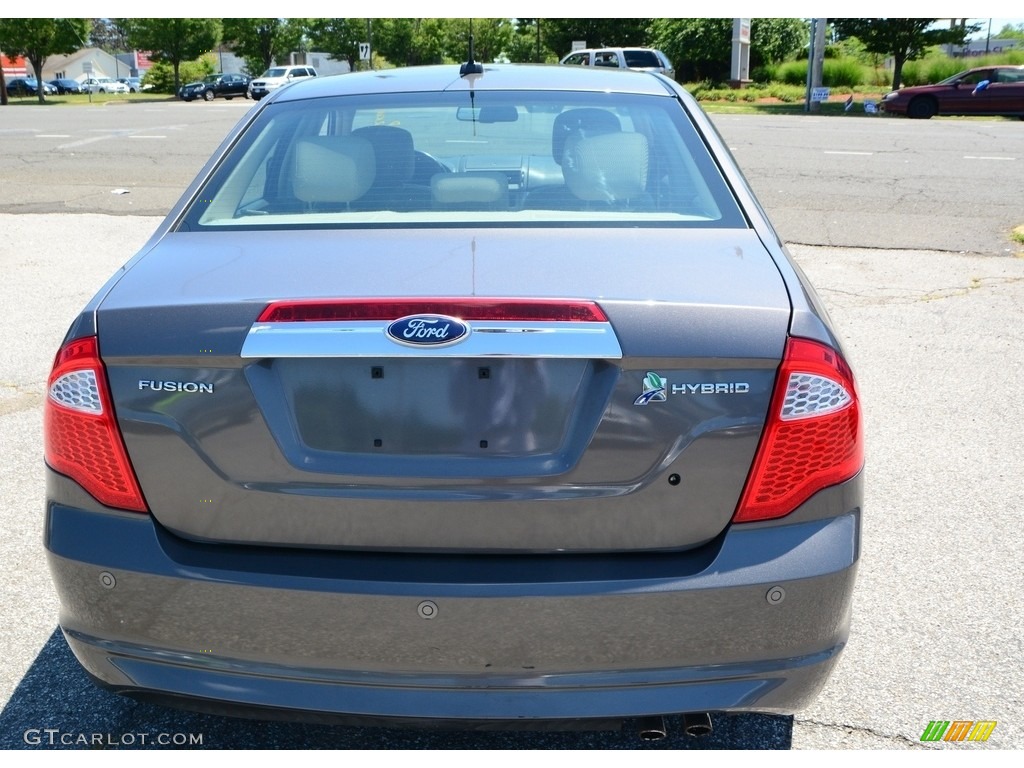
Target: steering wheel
426 166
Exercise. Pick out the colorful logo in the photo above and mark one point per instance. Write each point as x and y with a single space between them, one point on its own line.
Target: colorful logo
958 730
654 390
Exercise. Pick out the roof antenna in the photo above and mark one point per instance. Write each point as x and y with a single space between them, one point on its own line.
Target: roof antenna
471 67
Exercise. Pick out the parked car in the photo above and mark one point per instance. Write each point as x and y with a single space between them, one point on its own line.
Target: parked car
993 90
275 77
67 85
212 86
104 85
644 59
134 84
479 394
28 86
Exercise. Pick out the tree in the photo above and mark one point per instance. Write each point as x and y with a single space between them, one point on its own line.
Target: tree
1010 32
339 37
903 39
38 39
109 35
702 48
559 34
699 48
491 39
529 43
775 40
408 42
262 42
173 40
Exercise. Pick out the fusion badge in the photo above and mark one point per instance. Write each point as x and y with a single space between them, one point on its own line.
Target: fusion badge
427 330
176 386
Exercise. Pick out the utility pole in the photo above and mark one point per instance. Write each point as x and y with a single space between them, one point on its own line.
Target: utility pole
3 82
369 39
810 67
815 61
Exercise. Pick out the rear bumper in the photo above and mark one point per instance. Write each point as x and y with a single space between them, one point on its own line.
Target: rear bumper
456 638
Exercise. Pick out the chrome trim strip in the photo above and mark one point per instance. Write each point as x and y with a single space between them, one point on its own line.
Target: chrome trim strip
368 338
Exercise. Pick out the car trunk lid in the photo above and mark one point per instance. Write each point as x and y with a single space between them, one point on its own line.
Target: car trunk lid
623 414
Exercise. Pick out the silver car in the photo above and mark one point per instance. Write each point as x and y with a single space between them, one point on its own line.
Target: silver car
104 85
641 59
476 395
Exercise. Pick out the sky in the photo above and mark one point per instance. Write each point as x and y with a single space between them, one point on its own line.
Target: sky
997 24
562 8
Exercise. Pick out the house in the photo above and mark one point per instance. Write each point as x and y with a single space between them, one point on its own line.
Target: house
324 63
73 65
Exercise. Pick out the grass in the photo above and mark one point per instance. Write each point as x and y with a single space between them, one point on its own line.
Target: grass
73 99
1018 234
779 99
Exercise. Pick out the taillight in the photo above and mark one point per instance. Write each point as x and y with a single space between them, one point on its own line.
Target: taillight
475 308
80 435
813 437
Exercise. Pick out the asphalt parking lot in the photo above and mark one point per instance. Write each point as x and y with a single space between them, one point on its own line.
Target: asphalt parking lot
934 335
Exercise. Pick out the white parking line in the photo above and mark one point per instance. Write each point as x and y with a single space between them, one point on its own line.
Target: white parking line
840 152
987 157
93 140
53 135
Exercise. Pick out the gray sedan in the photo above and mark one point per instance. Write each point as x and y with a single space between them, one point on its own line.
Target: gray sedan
476 395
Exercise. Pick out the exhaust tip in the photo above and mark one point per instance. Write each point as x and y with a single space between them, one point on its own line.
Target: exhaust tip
652 728
697 724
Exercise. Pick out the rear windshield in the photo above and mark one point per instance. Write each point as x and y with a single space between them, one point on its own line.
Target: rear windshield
496 158
641 59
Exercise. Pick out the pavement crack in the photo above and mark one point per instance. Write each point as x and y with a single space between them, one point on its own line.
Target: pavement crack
866 731
852 246
906 297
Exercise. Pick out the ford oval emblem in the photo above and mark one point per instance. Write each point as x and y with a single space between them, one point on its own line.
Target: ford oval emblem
428 330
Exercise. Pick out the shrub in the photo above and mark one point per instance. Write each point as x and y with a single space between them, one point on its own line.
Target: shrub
161 74
848 73
934 69
792 73
938 69
766 73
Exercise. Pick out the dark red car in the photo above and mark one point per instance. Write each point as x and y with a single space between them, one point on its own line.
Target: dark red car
980 91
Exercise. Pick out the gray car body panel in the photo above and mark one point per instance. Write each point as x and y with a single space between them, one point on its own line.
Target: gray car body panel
707 307
547 636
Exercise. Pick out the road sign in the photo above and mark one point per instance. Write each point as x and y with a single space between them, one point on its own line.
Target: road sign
819 94
364 51
87 67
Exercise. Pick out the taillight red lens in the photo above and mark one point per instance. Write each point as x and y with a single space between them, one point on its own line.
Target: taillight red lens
475 308
813 437
80 434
